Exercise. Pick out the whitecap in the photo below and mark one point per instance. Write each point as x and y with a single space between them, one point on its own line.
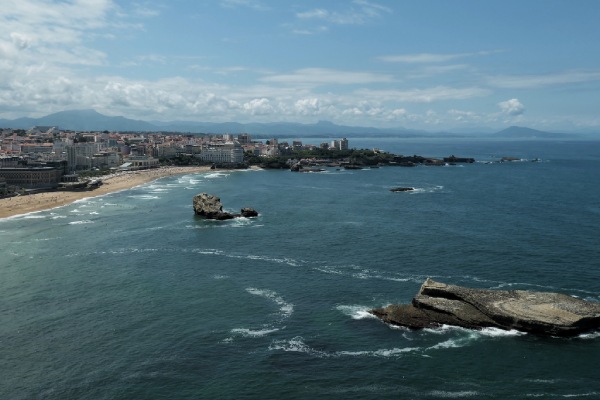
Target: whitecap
590 335
448 344
85 221
253 332
297 345
395 352
216 175
83 200
144 197
356 311
588 394
208 251
286 309
453 395
497 332
285 260
131 250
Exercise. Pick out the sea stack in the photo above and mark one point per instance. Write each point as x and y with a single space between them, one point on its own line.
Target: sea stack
210 207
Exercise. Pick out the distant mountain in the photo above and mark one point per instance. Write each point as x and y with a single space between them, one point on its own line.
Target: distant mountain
81 120
519 132
90 120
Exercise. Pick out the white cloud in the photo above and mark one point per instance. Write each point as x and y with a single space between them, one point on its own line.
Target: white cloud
420 58
309 106
430 58
537 81
438 93
258 107
318 13
144 10
512 107
38 31
359 12
20 40
324 76
254 4
464 116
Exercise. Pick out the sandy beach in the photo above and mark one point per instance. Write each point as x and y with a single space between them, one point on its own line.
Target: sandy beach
111 183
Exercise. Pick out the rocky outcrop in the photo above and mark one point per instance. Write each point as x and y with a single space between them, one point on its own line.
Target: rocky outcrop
543 313
402 189
454 160
210 207
248 212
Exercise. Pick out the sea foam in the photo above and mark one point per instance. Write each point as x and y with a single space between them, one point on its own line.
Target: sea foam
356 312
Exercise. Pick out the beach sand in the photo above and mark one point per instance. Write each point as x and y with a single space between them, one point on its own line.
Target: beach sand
111 183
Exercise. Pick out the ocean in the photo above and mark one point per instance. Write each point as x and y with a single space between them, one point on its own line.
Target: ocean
131 296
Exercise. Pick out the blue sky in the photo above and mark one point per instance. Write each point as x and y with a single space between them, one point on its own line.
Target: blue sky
427 64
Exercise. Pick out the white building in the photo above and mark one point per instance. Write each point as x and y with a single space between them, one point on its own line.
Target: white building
229 152
140 162
341 144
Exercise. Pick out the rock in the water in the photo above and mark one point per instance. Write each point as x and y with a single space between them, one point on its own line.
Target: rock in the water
542 313
402 189
249 212
210 207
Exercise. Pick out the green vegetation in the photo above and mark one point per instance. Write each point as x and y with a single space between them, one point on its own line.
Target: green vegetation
182 160
93 173
351 156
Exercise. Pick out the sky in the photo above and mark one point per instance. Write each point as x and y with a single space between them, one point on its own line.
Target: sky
424 64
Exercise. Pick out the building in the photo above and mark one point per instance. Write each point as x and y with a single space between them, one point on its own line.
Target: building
31 178
140 162
9 162
79 155
341 144
228 152
106 160
244 138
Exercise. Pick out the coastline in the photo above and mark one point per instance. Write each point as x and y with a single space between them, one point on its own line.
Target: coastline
13 206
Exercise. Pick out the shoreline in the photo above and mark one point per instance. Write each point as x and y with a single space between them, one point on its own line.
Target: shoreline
19 205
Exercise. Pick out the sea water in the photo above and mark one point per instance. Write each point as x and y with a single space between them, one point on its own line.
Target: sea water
130 296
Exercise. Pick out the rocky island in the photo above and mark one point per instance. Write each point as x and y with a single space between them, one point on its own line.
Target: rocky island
543 313
210 207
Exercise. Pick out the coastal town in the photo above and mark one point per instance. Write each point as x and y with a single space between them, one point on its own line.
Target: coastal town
46 158
45 167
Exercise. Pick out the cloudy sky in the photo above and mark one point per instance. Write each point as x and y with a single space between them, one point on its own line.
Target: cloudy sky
424 64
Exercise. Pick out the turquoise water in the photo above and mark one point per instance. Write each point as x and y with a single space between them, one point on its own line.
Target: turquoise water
129 295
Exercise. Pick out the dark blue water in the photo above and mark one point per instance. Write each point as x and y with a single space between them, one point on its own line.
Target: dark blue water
130 295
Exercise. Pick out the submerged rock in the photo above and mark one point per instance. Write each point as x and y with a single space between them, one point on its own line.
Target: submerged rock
210 207
543 313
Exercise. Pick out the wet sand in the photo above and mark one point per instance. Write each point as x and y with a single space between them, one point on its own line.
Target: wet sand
111 183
